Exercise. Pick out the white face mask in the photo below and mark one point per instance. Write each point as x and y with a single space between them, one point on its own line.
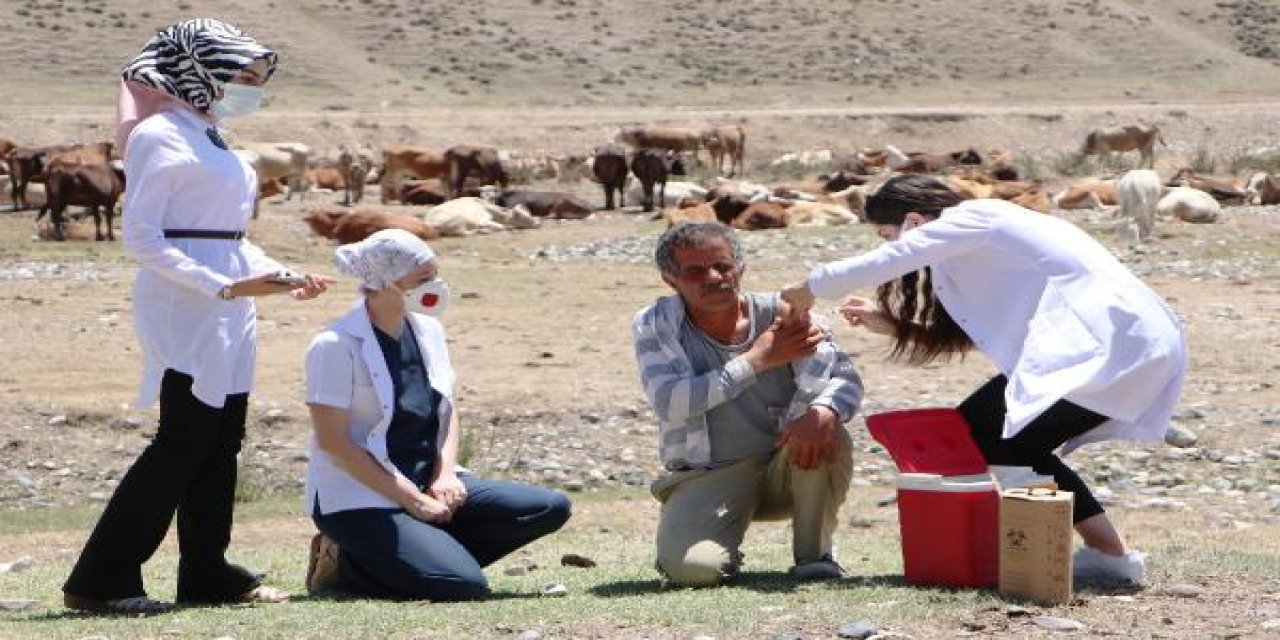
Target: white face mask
238 101
431 298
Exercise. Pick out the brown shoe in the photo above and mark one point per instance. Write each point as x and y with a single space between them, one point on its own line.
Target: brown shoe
322 566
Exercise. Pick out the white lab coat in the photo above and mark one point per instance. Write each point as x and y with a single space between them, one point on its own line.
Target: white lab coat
346 369
178 179
1056 312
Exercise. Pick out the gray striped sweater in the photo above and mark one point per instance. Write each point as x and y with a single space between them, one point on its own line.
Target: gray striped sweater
681 398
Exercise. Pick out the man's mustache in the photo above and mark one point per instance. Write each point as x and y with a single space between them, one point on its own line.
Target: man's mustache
721 287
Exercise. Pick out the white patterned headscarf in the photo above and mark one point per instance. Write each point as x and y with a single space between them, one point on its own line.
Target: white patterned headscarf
191 60
382 258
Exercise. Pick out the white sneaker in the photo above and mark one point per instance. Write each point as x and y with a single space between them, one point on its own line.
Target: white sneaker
1093 565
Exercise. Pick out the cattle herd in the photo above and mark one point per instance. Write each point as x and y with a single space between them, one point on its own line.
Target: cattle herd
467 189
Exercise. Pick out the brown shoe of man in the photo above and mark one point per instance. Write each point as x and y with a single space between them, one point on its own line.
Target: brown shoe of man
322 566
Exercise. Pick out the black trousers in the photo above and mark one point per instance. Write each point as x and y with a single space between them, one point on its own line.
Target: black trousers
188 469
1034 445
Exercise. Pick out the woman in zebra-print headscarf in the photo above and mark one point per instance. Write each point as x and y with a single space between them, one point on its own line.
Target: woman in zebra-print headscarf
188 201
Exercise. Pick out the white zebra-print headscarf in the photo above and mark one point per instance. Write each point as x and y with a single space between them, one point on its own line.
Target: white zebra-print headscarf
191 59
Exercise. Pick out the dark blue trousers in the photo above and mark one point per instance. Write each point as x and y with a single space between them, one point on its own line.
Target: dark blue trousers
386 553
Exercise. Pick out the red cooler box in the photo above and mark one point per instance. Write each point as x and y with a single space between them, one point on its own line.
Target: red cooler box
948 506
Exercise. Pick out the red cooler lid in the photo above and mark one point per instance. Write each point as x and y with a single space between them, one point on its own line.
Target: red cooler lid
928 441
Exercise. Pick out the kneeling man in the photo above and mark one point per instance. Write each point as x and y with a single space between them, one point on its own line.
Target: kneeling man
750 409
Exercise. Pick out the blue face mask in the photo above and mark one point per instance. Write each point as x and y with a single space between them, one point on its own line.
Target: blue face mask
238 101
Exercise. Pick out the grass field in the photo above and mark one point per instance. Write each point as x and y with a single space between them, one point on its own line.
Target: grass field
622 596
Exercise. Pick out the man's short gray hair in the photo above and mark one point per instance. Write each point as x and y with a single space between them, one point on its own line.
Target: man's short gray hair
693 234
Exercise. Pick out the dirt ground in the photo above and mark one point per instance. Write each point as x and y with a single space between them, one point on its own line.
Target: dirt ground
540 337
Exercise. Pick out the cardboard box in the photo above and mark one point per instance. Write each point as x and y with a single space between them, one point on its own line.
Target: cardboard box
1035 544
1009 477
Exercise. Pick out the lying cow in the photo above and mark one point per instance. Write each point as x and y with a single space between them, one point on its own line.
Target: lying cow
401 161
466 216
1189 205
544 204
347 226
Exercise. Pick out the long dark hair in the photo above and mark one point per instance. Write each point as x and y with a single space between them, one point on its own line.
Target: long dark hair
923 331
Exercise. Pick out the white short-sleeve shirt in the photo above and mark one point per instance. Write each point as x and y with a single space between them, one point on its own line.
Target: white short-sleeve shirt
346 369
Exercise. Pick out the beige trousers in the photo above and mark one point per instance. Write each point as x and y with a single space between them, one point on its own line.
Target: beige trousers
705 513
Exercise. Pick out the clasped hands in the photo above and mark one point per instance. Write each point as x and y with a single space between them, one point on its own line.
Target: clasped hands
445 495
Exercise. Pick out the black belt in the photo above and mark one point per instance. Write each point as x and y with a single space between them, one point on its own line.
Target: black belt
207 234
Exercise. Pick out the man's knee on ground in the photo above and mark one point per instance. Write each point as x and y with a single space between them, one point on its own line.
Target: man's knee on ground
704 564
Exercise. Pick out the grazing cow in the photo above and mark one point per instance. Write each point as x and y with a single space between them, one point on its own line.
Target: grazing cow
465 216
726 141
1139 192
26 165
609 166
1263 188
327 177
97 186
399 161
466 160
1088 194
354 167
1224 189
673 139
1189 205
652 167
1140 138
280 160
545 204
354 225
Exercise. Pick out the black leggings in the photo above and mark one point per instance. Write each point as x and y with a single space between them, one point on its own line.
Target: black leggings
1034 445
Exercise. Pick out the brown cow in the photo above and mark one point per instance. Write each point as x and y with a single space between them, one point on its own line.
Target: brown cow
610 169
466 160
95 185
672 139
761 215
726 141
347 226
26 165
1263 188
327 177
1088 194
399 160
1140 138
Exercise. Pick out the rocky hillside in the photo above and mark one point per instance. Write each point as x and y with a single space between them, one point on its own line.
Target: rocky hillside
341 54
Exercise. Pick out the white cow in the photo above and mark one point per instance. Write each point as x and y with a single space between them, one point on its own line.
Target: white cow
1189 205
807 158
281 160
819 214
1138 192
672 195
465 216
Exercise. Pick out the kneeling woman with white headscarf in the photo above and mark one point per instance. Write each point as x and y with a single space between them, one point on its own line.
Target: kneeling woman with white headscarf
398 517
